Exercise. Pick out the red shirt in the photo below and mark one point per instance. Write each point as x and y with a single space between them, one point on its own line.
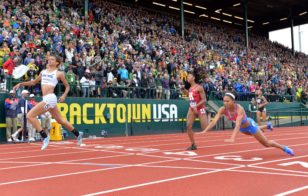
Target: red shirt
9 65
32 102
195 97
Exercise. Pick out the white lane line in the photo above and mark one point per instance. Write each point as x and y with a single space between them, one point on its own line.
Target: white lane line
292 191
61 162
60 175
269 173
142 139
176 167
276 169
46 155
243 151
278 160
158 181
77 173
214 162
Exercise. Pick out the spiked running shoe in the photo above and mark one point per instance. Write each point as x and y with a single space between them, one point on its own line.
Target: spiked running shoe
270 126
192 147
79 139
45 143
288 150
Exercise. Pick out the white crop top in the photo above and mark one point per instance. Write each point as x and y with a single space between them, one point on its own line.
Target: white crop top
49 78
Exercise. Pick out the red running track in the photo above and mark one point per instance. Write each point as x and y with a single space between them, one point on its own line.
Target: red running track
158 165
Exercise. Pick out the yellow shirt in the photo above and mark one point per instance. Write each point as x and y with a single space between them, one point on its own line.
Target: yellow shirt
183 75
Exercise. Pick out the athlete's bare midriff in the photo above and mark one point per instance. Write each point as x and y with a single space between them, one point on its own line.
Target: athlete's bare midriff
47 89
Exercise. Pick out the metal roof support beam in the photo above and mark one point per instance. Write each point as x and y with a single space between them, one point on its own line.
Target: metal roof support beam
245 6
182 18
86 8
292 34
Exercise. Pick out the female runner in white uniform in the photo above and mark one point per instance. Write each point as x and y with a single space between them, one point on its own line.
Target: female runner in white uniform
49 79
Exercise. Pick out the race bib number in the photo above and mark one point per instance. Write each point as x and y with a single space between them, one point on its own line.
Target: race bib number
47 106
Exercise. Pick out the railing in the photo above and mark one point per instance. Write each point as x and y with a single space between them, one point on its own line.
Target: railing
178 125
107 91
141 92
248 96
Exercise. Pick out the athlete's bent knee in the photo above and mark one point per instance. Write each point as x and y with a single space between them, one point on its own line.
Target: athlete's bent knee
271 142
266 144
30 117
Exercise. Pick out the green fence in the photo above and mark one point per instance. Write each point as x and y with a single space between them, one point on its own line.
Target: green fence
121 117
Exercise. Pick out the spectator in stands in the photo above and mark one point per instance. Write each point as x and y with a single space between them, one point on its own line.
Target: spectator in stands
151 86
11 109
144 91
31 130
9 65
135 87
71 79
23 108
137 39
85 83
123 72
166 86
158 83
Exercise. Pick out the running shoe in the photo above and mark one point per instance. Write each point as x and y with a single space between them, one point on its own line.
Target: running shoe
270 126
45 142
79 139
192 147
288 150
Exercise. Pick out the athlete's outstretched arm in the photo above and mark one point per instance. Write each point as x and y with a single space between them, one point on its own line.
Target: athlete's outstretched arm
66 85
29 83
239 119
220 112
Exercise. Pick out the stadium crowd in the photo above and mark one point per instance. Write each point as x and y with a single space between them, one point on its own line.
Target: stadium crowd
123 52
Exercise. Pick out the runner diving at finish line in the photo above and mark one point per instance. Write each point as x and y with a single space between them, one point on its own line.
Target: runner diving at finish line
248 126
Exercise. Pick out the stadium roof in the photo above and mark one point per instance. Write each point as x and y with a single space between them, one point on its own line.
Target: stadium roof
263 15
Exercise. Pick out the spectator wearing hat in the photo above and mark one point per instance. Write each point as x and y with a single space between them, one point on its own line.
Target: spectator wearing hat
28 58
25 124
85 84
32 73
23 108
11 111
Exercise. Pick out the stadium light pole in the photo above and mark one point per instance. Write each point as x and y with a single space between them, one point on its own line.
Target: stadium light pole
182 18
245 6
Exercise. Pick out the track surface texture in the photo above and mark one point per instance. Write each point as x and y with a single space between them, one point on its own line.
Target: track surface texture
158 165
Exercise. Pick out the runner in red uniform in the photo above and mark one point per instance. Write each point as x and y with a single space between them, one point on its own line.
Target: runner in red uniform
197 101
